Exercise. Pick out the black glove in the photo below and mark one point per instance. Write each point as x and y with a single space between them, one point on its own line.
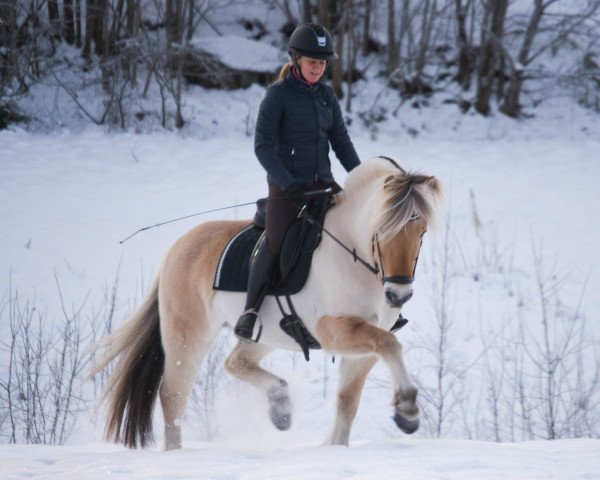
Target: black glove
294 192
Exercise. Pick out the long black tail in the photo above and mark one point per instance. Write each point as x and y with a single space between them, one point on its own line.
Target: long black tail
133 385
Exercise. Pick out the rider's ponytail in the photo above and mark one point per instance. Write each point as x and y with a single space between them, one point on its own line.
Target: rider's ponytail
284 71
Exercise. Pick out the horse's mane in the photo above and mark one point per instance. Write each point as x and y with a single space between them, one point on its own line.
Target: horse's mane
401 195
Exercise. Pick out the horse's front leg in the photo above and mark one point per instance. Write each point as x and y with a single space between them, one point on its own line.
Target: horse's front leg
353 373
243 363
347 335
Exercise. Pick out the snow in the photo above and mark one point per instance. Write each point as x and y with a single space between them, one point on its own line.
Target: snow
242 53
68 198
392 459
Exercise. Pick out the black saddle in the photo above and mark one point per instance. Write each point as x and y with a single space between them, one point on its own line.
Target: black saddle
301 240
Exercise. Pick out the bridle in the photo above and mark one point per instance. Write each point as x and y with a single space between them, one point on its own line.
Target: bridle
374 267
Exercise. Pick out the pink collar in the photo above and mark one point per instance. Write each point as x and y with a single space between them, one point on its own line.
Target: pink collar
299 77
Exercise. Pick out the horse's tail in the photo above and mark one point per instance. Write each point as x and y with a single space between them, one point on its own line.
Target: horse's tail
133 385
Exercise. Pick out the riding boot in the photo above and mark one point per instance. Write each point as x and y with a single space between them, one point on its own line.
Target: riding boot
261 269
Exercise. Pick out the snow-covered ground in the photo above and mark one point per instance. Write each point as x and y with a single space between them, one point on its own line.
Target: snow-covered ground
67 200
374 460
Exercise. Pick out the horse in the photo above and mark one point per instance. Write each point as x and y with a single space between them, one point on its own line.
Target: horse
347 305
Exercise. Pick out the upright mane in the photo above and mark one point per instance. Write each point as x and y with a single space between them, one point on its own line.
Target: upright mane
400 196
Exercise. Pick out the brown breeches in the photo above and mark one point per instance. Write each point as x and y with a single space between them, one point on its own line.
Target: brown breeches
281 213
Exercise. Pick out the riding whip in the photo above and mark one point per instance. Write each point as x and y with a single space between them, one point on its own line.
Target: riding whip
309 194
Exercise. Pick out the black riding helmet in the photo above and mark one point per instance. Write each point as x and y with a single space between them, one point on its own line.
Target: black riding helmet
312 40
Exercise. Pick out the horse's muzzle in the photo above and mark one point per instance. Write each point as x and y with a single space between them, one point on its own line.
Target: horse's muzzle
395 299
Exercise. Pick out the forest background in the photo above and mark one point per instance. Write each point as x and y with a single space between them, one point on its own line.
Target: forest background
478 54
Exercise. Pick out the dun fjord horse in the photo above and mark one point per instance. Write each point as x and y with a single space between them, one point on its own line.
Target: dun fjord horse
382 214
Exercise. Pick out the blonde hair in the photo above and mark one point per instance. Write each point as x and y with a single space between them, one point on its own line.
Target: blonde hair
284 70
292 62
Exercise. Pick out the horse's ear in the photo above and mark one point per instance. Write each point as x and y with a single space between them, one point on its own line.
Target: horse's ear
434 184
388 180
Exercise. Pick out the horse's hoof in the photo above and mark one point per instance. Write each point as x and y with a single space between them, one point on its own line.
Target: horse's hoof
407 426
281 420
280 409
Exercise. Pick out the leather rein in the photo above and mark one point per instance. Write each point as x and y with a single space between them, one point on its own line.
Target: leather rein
373 268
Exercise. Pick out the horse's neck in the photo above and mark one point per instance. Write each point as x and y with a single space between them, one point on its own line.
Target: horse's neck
351 220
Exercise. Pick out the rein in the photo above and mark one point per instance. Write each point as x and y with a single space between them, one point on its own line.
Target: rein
373 268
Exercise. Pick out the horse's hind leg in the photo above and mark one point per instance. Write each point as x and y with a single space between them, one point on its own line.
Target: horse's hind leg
243 363
353 373
184 351
354 336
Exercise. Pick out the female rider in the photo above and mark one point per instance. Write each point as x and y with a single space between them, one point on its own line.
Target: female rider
298 120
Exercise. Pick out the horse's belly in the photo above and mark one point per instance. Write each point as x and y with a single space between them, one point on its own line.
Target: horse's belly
228 306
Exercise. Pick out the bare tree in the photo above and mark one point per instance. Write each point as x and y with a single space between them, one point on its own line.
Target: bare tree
393 50
556 32
38 394
366 27
465 64
491 53
352 48
8 41
54 18
95 27
68 21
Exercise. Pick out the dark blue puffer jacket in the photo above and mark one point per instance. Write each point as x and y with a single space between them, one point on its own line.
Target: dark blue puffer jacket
295 127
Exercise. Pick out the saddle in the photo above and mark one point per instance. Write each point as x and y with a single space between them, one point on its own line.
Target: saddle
301 240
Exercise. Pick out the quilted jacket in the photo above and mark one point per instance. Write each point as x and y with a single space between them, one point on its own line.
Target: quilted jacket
296 125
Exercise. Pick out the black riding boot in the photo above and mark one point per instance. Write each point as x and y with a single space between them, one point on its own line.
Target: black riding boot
261 270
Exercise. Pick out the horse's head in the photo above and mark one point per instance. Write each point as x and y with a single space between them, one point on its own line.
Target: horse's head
405 208
397 261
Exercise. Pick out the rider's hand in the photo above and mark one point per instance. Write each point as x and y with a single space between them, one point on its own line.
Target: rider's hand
294 192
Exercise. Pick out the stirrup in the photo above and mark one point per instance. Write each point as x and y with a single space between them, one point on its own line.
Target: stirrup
244 328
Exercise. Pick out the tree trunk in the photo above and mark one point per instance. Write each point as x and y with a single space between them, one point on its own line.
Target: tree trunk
405 32
133 23
324 12
78 23
511 106
104 40
117 22
190 21
429 15
54 18
306 12
337 66
95 27
330 19
463 76
173 20
8 39
352 52
491 52
90 9
68 22
393 56
366 27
